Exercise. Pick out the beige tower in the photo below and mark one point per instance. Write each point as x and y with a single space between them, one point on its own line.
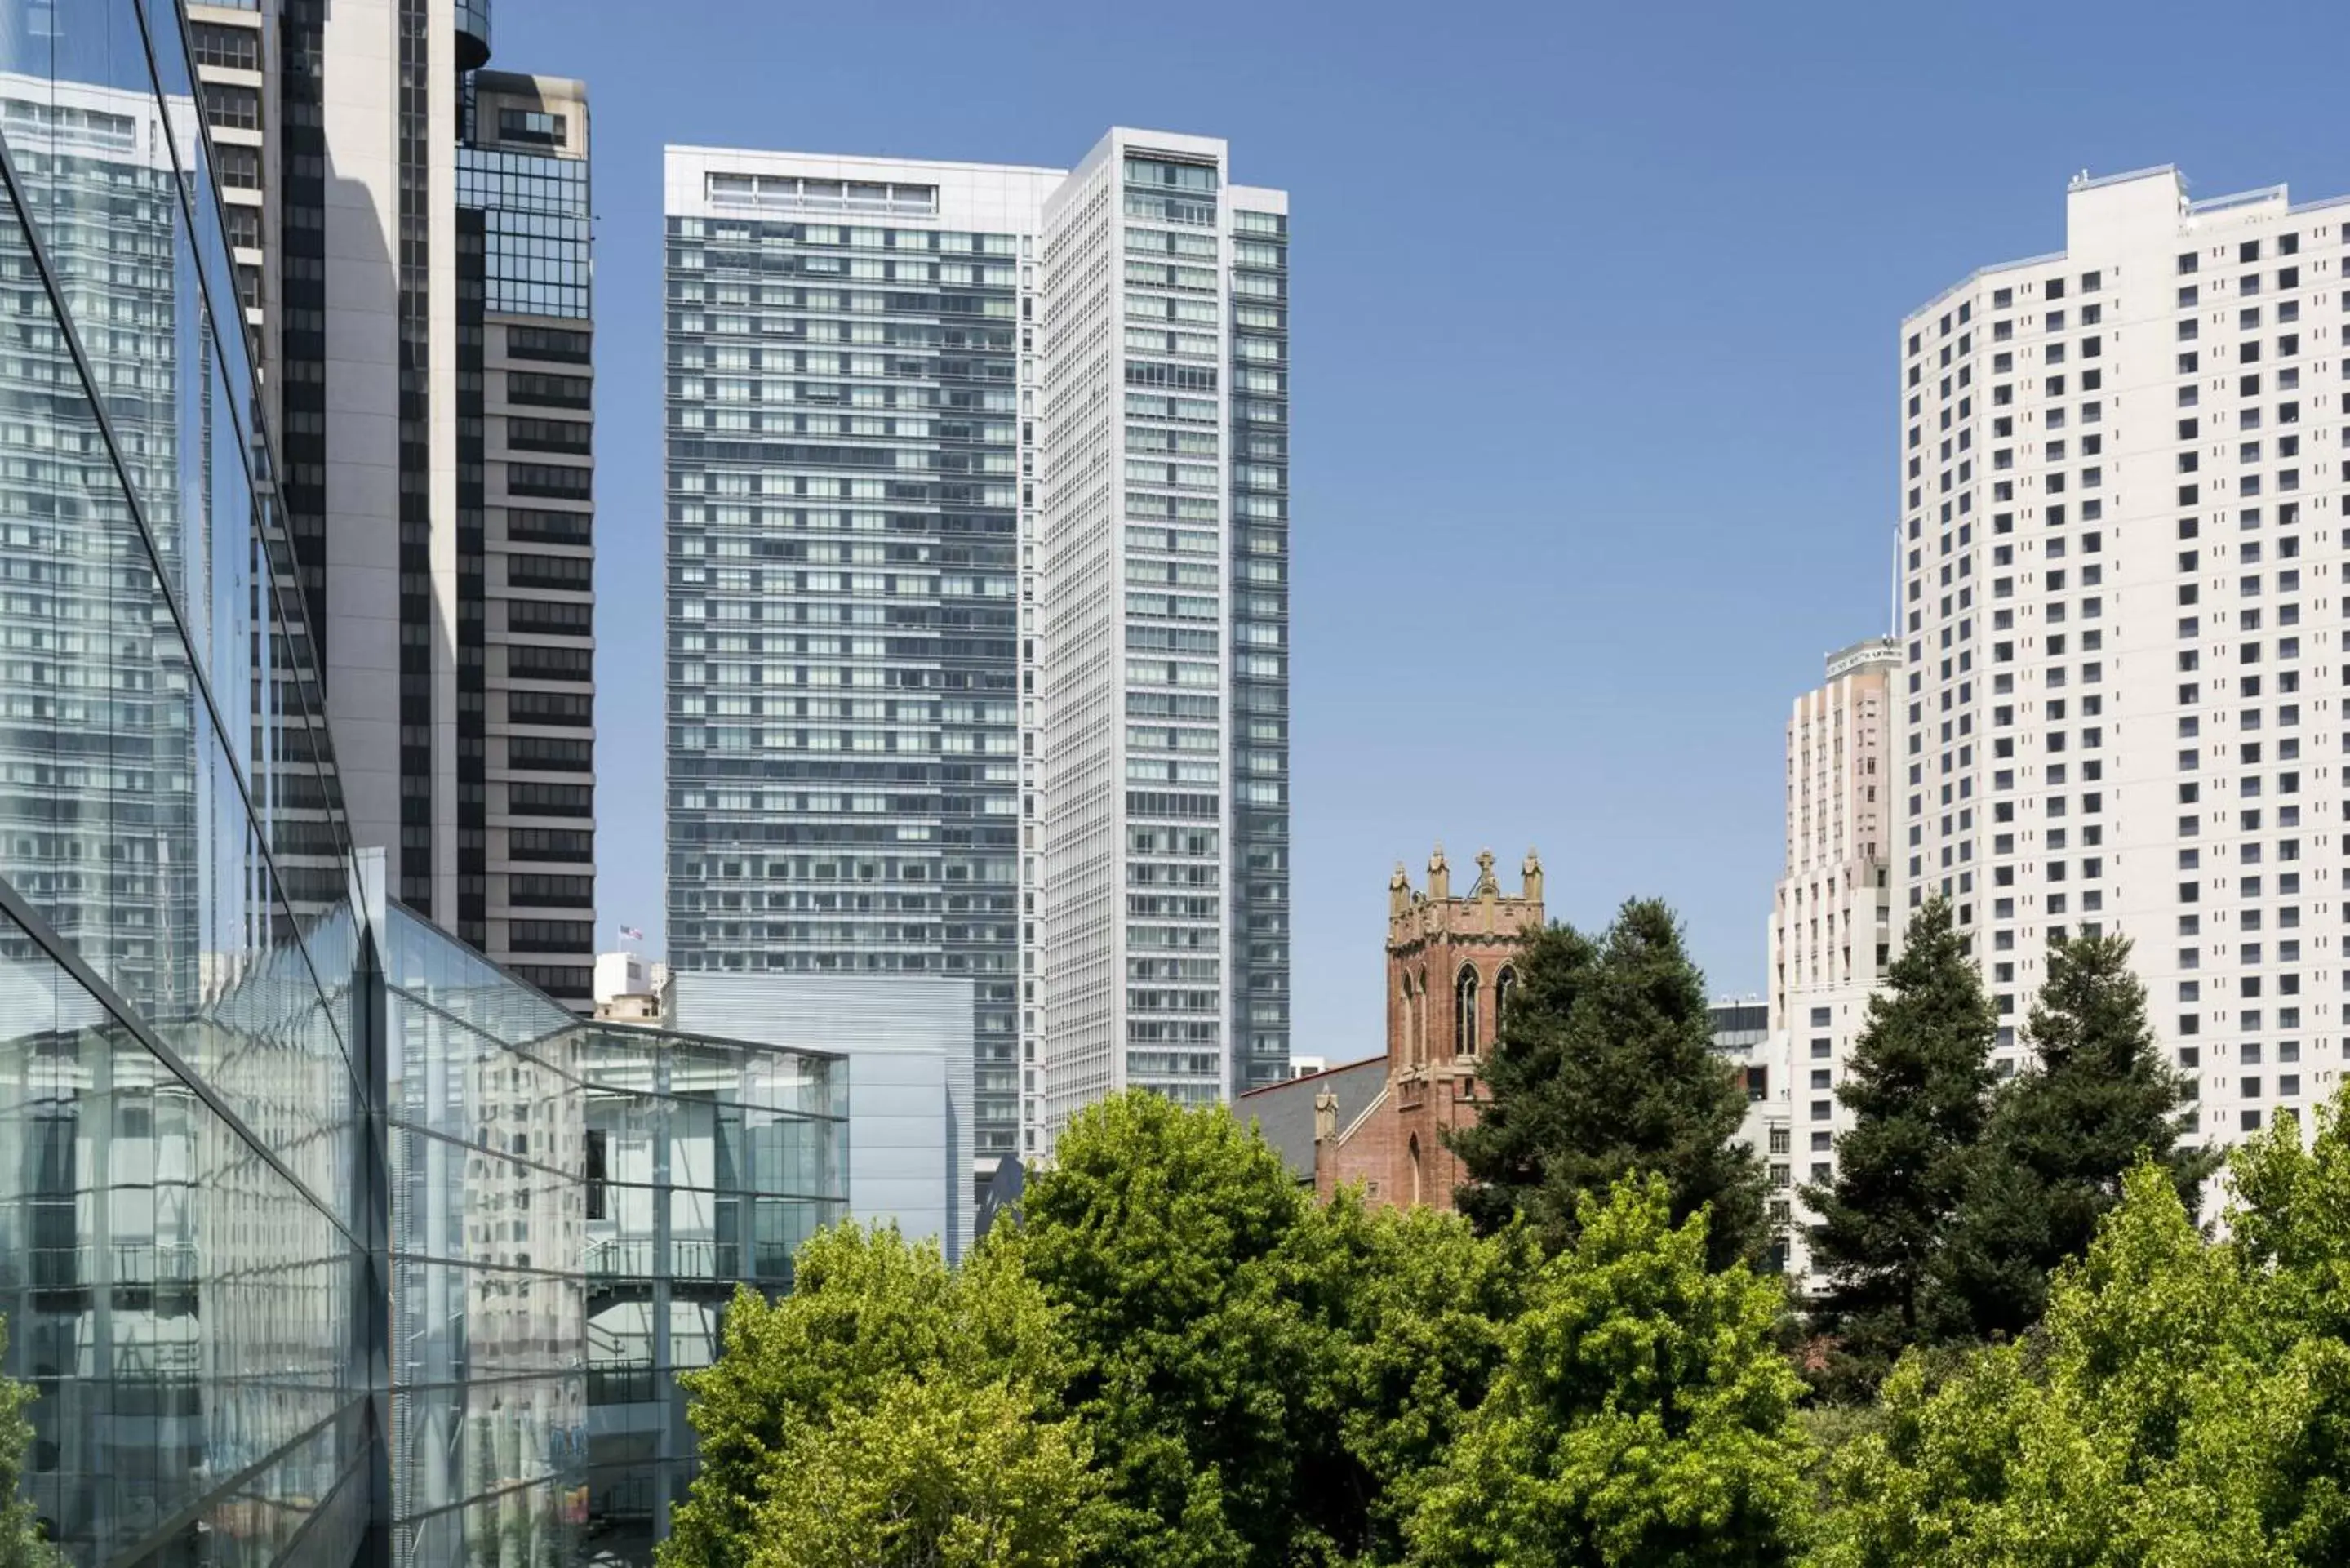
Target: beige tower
1832 920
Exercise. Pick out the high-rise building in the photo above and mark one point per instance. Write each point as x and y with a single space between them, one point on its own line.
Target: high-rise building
2118 485
978 602
423 317
526 534
1832 932
1163 549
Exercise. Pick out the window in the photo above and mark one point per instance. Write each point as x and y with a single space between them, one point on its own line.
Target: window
550 936
532 125
239 167
595 1173
550 479
243 225
232 107
551 753
229 47
547 891
1464 1012
1780 1140
550 435
531 526
1506 988
558 620
550 843
549 343
553 800
534 662
549 390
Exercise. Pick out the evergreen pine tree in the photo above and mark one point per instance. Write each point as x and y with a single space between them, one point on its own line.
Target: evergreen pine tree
1918 1088
2061 1137
1524 1115
1606 1067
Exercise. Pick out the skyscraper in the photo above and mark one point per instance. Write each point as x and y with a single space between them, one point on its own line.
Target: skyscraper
423 319
957 685
1832 919
526 533
2118 478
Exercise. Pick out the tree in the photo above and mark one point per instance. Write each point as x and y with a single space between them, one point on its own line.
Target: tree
875 1324
2175 1410
1424 1304
1183 1257
936 1472
1916 1086
2060 1138
22 1541
1644 1417
1528 1112
1605 1067
2290 1215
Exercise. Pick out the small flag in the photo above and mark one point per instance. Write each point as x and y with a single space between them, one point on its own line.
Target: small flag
631 934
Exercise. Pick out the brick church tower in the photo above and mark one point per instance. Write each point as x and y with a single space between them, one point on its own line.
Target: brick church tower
1448 976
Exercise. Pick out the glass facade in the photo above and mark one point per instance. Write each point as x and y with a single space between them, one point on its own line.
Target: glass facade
572 1207
843 742
319 1234
181 1076
535 215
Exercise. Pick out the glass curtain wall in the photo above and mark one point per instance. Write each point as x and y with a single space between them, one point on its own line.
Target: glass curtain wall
219 1126
573 1206
181 1088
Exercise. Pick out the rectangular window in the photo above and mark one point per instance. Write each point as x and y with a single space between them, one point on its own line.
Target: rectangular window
536 127
550 479
549 343
232 107
228 48
550 435
549 390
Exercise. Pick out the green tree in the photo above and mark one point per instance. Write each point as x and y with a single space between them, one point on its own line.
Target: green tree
1192 1283
2175 1410
2290 1216
2060 1138
1605 1067
1918 1088
1424 1304
874 1322
22 1541
1644 1417
934 1472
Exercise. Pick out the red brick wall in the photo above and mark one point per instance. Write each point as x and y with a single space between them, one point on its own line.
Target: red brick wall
1431 1087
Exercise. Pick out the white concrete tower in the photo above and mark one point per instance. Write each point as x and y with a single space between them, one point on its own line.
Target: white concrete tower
2120 537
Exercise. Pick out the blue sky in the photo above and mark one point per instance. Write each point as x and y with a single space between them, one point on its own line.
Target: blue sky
1594 336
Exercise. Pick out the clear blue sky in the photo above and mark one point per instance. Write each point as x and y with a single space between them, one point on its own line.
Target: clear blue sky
1593 342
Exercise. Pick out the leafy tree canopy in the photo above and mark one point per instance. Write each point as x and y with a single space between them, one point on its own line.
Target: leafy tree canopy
1643 1417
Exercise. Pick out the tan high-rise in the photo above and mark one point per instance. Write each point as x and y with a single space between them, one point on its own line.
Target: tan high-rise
1832 921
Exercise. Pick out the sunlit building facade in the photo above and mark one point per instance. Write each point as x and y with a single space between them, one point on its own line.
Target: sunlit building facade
982 472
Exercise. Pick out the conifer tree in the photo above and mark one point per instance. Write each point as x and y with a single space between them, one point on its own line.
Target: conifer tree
1917 1087
2062 1135
1606 1067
